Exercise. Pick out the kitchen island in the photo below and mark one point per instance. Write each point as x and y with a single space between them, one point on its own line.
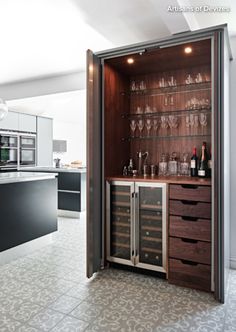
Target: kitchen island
28 205
71 188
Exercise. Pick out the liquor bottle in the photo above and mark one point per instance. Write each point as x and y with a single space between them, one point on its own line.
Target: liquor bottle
203 167
130 167
194 163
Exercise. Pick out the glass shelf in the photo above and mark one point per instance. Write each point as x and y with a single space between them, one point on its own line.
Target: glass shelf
168 112
165 137
181 88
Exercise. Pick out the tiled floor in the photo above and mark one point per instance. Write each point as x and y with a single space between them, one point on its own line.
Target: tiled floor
48 291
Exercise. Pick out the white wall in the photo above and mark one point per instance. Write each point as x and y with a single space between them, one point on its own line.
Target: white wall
75 135
233 153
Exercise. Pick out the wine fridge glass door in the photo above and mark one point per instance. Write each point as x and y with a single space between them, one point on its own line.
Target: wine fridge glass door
120 222
150 226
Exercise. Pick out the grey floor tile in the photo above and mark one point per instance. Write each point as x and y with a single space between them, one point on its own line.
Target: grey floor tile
70 324
46 319
25 311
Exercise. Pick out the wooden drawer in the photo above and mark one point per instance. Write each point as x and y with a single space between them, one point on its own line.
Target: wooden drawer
191 250
190 228
186 274
190 192
190 209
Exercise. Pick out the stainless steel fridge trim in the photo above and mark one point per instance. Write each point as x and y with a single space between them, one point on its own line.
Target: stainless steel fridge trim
108 222
164 226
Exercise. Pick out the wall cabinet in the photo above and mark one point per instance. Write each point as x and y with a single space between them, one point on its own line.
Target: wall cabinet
162 105
136 224
11 122
27 123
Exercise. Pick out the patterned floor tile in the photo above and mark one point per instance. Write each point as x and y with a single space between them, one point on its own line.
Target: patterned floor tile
25 311
46 319
65 304
8 324
87 312
70 324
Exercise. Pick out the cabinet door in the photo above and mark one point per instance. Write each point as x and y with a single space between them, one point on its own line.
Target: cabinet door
27 123
120 222
44 141
150 226
11 122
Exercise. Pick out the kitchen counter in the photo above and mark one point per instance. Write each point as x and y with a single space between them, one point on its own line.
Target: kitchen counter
53 169
28 207
14 177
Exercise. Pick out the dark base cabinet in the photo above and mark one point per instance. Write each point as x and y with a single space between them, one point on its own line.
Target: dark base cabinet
28 211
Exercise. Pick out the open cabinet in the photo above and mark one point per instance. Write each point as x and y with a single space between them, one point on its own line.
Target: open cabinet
159 100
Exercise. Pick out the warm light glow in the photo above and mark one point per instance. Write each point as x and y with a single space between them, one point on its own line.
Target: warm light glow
188 50
130 60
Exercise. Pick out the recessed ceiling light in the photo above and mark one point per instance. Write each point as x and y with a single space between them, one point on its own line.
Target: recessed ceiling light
188 50
130 60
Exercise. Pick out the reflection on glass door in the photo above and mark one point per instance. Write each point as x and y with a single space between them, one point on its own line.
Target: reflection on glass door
120 225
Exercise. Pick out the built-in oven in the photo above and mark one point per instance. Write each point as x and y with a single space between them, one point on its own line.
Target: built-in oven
27 150
8 150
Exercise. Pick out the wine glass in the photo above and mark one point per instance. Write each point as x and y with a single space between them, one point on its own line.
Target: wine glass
196 123
133 126
155 126
203 121
164 123
148 126
173 122
140 126
191 121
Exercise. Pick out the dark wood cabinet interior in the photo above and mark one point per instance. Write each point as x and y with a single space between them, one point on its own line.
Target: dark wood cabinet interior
166 94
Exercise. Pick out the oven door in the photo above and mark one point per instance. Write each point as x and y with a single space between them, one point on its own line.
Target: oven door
8 157
27 157
28 142
8 141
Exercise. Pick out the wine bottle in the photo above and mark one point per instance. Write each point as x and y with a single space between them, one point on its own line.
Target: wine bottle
209 164
194 163
203 167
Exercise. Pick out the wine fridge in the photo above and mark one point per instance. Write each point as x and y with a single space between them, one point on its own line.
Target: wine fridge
136 224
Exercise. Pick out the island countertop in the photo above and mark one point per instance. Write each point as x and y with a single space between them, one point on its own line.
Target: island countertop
15 177
53 169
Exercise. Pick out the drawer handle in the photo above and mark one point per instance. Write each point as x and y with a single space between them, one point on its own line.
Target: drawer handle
189 202
189 186
189 240
189 218
183 261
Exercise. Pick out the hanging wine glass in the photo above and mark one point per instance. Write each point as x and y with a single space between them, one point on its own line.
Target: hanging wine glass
133 126
148 126
140 126
203 121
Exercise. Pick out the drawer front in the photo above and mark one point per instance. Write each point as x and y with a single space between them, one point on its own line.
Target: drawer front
68 201
191 250
190 209
186 274
190 228
69 181
190 192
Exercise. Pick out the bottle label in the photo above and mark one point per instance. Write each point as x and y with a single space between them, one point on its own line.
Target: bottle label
201 172
193 163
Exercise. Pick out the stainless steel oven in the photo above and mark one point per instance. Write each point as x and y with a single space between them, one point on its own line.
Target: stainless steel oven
27 150
8 150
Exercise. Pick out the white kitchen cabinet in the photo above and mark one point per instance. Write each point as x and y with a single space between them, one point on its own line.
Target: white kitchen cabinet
44 141
11 122
27 123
